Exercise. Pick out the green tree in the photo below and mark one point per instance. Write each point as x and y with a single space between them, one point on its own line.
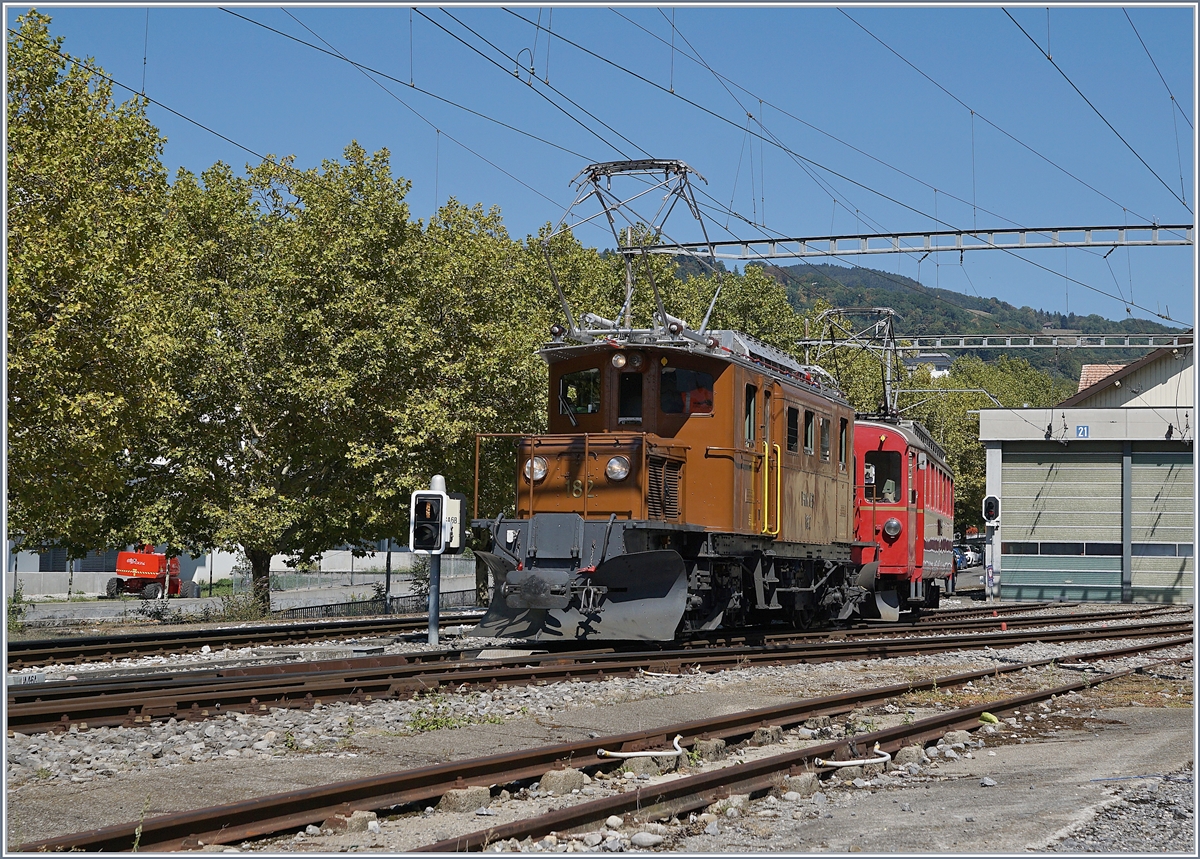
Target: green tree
294 352
87 263
953 418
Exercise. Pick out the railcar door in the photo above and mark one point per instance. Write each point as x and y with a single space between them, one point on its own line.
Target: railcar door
914 534
771 463
748 459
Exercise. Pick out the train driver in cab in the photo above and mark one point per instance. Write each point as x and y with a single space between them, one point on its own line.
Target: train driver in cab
686 391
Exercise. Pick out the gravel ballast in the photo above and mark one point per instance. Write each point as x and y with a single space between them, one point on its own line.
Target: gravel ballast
106 776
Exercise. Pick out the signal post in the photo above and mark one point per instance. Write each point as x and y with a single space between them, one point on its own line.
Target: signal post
435 528
991 516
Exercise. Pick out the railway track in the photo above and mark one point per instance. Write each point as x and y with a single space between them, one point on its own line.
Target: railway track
103 648
277 813
86 649
200 695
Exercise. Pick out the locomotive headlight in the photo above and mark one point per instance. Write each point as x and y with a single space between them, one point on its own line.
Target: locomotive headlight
617 468
535 468
892 527
618 360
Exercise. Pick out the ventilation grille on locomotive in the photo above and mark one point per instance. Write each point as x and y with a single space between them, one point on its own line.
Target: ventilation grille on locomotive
663 497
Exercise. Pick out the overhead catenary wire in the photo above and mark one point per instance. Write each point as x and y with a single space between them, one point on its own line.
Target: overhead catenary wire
548 86
1010 136
1175 106
1174 101
264 158
795 155
374 71
1096 110
366 73
145 51
851 146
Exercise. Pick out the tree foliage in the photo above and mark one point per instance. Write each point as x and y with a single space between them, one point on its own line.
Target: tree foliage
953 417
87 267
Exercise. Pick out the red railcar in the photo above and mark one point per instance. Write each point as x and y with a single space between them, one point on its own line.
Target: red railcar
903 514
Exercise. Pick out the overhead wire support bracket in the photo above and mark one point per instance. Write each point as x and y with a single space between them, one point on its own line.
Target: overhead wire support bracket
936 241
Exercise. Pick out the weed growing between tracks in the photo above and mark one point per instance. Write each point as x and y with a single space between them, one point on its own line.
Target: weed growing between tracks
16 610
234 607
439 712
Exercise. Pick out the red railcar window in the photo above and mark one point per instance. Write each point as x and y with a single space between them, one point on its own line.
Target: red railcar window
882 476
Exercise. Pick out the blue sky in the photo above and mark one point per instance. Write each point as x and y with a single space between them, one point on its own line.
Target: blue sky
276 96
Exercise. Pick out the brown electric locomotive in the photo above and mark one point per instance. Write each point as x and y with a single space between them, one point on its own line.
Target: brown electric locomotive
687 481
693 479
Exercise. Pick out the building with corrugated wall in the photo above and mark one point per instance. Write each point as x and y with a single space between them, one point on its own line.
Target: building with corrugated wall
1097 497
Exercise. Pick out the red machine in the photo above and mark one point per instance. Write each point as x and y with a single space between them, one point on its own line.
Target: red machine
903 515
150 575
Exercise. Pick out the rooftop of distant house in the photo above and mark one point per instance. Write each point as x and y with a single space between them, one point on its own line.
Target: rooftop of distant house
1093 373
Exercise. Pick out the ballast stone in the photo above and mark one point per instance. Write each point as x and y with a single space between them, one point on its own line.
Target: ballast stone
911 755
804 784
710 750
465 798
645 839
767 735
563 781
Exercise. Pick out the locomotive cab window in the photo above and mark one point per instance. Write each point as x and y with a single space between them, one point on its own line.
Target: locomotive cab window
884 465
824 439
630 392
809 431
579 393
687 392
793 430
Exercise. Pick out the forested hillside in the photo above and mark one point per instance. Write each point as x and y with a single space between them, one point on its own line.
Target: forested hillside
927 310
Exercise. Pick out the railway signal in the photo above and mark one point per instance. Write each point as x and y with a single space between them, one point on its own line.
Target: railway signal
991 509
427 525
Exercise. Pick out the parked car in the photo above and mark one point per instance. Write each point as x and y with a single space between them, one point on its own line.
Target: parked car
974 557
960 559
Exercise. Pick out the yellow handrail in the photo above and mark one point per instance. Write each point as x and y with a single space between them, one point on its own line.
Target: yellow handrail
766 496
778 491
766 526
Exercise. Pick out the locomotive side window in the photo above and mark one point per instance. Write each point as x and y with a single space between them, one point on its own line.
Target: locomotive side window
885 465
793 429
842 431
630 392
751 399
809 431
688 392
579 393
824 439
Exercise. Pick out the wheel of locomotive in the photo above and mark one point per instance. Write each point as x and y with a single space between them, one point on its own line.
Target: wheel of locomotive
151 591
933 596
114 588
805 617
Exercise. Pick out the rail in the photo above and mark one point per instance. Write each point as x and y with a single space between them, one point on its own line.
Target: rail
268 815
